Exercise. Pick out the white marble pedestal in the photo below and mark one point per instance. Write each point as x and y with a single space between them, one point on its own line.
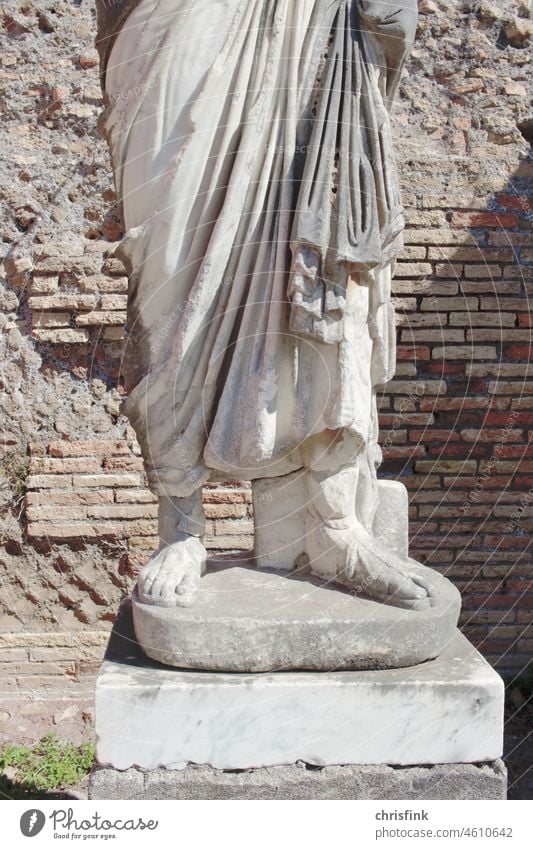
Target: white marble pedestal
149 717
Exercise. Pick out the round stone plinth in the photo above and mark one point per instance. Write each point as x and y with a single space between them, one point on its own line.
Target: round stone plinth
246 620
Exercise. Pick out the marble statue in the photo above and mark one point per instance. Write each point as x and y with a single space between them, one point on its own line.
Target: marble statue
251 147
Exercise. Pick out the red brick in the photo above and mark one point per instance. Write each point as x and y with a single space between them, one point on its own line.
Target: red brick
518 352
468 87
425 287
99 317
486 287
87 448
62 302
54 512
499 304
491 272
505 239
389 419
49 482
471 254
465 352
69 498
428 319
509 435
43 668
461 404
441 367
503 418
243 543
514 201
401 453
431 434
226 511
506 451
126 464
89 530
412 269
416 388
146 543
138 527
223 497
448 304
439 236
498 369
404 352
46 465
508 387
127 479
506 542
482 319
436 466
502 334
122 511
67 336
135 496
237 527
518 272
484 219
458 450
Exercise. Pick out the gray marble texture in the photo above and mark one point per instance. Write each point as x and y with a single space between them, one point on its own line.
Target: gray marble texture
448 710
246 620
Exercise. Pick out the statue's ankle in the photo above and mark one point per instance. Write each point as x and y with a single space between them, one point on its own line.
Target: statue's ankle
179 518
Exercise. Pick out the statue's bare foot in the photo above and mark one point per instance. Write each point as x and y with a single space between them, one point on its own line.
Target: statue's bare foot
171 578
363 565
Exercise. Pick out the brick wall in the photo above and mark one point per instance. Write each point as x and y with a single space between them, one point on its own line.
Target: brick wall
95 490
456 421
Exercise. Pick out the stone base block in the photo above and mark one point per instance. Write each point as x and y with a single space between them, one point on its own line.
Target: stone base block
249 620
448 710
444 781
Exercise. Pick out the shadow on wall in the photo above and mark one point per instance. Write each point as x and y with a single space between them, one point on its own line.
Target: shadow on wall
458 432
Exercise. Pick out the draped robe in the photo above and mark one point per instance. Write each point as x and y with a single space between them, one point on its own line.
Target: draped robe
252 153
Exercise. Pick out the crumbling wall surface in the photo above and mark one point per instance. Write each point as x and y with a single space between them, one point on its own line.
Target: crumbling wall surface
77 519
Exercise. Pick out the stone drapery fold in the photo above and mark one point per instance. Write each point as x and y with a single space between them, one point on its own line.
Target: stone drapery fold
251 146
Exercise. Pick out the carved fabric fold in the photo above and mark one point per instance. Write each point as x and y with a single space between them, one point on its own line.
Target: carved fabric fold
349 216
210 123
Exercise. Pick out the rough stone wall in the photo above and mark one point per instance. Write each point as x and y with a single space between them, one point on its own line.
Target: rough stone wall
77 517
457 420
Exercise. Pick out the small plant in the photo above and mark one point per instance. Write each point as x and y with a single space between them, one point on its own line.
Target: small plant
15 470
50 764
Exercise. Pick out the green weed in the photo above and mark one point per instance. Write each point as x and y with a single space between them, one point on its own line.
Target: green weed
50 764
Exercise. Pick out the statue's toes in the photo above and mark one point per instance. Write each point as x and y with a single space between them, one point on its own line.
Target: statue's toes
168 594
146 581
169 584
171 588
388 584
187 589
402 591
427 587
410 603
157 588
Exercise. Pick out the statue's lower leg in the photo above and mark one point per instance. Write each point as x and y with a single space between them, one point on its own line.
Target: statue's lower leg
342 550
172 575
